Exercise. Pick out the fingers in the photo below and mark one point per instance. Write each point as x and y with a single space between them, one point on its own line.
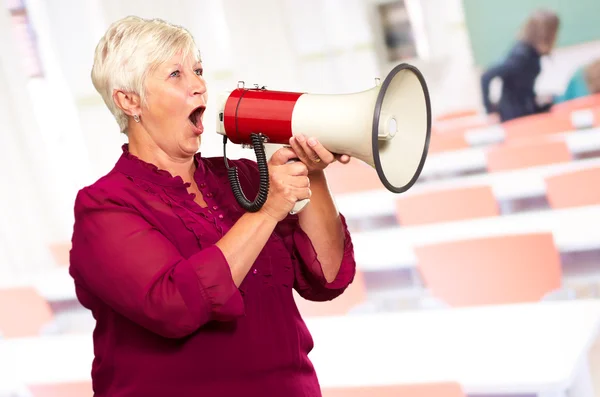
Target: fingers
291 182
299 181
316 150
294 189
310 151
342 158
282 156
296 168
301 194
303 150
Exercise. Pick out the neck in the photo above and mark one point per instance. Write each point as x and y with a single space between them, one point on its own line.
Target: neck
144 148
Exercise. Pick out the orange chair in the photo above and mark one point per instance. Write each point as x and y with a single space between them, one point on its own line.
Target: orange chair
535 125
23 312
458 126
76 389
446 205
574 189
355 176
510 157
492 270
589 101
442 143
60 253
442 389
352 297
457 114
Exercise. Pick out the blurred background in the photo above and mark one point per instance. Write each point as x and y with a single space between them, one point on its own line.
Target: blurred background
482 280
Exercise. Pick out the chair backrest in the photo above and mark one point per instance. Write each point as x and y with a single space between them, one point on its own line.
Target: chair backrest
508 157
574 189
444 143
459 126
442 389
75 389
537 124
355 176
446 205
491 270
23 312
353 296
457 114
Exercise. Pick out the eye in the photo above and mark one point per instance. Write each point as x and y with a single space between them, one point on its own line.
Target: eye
175 74
199 71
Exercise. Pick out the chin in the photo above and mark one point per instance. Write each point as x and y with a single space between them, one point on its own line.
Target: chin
191 146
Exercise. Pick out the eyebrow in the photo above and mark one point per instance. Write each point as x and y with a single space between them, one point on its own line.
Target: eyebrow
178 65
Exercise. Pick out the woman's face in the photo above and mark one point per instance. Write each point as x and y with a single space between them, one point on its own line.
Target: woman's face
175 103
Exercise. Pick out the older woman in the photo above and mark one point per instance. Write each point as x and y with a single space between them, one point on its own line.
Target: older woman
192 296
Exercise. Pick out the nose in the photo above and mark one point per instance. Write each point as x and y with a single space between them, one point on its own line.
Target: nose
198 86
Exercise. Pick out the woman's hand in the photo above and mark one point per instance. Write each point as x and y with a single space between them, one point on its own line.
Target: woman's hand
313 154
288 183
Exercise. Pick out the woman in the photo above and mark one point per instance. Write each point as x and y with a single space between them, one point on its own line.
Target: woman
521 68
191 295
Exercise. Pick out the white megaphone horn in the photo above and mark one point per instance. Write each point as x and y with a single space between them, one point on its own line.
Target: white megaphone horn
387 127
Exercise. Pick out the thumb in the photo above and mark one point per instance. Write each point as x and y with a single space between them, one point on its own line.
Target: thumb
282 156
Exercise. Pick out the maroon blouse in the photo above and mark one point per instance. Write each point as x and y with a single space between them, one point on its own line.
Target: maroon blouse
169 319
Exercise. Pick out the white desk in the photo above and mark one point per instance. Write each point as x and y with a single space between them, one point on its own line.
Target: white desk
472 159
530 348
509 185
392 248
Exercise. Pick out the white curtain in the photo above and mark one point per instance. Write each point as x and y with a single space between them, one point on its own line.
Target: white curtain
27 219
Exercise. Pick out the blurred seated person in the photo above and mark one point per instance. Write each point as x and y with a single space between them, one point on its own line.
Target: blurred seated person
585 81
191 294
520 69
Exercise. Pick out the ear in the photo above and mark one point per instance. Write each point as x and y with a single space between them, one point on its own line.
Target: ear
128 102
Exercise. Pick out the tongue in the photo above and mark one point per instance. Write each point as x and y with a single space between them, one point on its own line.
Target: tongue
196 119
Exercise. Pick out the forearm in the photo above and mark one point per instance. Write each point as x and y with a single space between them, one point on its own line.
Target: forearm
321 222
242 244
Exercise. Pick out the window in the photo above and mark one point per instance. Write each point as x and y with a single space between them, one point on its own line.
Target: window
26 39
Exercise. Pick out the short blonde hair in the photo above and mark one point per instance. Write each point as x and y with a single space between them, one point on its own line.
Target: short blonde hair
129 50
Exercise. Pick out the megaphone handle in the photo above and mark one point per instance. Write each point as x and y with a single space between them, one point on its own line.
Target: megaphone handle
300 204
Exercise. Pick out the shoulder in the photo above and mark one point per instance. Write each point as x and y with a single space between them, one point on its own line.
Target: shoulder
107 190
522 52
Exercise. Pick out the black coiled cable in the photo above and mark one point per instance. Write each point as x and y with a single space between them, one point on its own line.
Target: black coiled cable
263 169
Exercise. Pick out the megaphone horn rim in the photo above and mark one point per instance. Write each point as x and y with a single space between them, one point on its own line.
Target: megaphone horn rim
375 129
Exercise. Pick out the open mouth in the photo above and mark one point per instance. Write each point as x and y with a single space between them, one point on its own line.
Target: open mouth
196 116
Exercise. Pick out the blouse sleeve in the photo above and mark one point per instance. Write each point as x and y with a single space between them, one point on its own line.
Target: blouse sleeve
310 282
128 264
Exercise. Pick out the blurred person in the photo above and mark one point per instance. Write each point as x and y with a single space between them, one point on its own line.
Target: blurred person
192 295
585 81
520 69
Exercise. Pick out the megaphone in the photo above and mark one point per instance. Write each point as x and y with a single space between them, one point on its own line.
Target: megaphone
387 127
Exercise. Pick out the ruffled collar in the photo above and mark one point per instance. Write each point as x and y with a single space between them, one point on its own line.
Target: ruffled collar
133 166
